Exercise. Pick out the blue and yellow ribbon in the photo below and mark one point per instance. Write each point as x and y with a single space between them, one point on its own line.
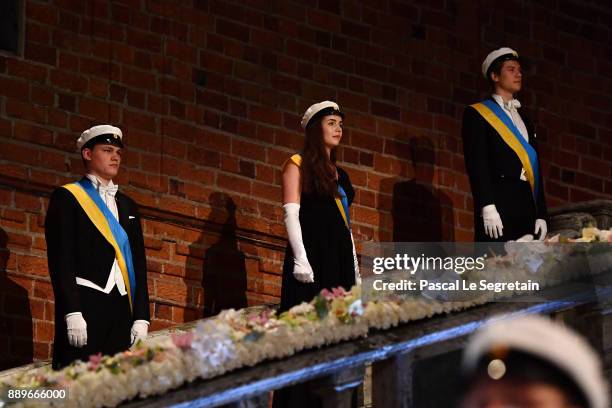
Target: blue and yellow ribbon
100 215
343 206
501 122
341 202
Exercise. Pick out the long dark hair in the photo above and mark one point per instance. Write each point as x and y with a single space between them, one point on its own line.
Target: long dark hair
318 171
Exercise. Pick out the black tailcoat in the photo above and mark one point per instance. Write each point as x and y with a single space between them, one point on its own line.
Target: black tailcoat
494 170
75 248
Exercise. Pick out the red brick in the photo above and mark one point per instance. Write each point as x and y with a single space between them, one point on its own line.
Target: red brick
25 111
232 30
596 167
38 33
40 244
37 308
49 311
248 150
232 183
181 51
140 121
577 195
14 88
179 89
43 13
159 325
53 160
163 312
42 96
138 79
43 290
178 206
27 202
69 81
266 191
13 215
146 41
32 265
25 69
174 292
385 110
44 331
6 197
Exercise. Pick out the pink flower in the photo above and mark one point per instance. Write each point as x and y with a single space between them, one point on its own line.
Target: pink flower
260 319
327 295
335 293
182 341
339 291
41 379
94 362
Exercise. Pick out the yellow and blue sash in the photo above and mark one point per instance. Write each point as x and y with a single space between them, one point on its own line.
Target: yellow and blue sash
343 206
341 202
501 122
100 215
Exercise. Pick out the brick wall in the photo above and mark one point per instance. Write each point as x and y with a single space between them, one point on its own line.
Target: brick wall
209 95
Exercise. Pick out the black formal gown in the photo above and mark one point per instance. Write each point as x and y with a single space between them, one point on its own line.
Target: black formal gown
329 249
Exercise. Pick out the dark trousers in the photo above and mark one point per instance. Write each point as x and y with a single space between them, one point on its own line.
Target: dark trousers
109 322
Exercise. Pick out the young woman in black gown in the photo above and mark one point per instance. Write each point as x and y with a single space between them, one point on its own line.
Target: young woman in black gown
316 199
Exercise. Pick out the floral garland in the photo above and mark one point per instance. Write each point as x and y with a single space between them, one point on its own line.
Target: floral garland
236 339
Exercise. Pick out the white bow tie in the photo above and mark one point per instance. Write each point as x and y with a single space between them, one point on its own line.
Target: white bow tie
112 190
512 104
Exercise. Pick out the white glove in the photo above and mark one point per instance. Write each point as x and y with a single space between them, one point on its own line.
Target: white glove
139 331
541 228
77 329
301 267
492 221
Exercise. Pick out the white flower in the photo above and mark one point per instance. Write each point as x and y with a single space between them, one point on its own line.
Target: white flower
302 309
356 308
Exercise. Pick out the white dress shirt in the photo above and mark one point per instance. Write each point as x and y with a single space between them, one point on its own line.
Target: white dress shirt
115 278
510 108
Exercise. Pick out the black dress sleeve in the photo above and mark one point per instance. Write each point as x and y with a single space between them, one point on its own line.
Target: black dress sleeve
345 181
541 210
474 134
61 236
139 260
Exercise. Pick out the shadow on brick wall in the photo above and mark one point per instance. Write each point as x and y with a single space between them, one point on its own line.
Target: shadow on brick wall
420 212
16 342
224 277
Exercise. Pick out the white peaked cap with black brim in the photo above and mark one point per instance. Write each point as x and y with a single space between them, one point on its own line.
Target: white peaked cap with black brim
317 109
548 341
100 134
504 53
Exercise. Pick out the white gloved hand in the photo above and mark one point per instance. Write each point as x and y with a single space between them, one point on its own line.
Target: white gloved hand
302 271
541 228
139 331
492 222
77 329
